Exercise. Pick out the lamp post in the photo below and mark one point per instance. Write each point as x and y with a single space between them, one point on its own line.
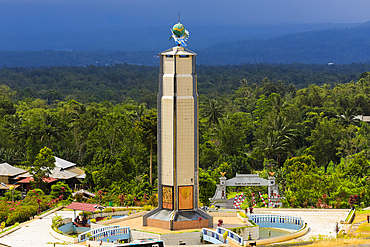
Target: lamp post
10 188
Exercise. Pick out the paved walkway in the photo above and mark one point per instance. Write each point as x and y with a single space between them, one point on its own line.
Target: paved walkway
36 233
320 221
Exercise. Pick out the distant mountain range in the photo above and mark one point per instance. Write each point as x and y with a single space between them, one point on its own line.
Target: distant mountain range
318 44
339 46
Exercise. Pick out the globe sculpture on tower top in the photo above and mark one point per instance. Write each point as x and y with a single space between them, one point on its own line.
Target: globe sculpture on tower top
179 34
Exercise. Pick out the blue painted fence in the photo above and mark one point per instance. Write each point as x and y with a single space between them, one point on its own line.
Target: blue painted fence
232 235
213 236
277 221
217 236
83 236
112 234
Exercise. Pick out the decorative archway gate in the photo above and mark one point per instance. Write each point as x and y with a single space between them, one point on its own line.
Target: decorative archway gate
219 198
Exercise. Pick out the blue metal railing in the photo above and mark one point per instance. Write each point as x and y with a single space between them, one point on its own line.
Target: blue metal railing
213 236
281 221
232 235
84 236
217 236
122 232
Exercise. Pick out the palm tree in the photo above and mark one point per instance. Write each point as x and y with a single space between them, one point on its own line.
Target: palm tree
77 122
213 112
277 104
349 118
138 112
279 138
52 128
20 130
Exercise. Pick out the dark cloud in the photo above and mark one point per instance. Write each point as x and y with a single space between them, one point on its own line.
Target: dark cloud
27 14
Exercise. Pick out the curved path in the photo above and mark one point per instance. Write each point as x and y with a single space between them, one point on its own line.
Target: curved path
36 233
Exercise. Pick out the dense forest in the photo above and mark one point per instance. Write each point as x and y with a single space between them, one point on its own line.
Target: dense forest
119 83
297 121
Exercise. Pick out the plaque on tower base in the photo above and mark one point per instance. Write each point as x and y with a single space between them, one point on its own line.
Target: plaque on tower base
185 197
167 197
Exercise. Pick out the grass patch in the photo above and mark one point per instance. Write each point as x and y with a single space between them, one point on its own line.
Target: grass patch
59 243
329 242
242 214
9 228
252 222
364 227
361 215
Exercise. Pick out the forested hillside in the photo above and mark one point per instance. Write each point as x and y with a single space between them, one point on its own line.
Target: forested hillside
119 83
308 136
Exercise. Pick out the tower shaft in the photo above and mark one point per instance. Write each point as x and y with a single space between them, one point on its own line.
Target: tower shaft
178 191
178 130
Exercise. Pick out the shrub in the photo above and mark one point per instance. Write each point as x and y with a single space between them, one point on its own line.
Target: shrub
93 220
35 192
61 191
86 213
243 215
56 221
9 195
147 208
107 210
78 197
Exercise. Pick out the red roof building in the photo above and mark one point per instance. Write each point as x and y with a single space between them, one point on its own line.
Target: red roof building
89 207
30 179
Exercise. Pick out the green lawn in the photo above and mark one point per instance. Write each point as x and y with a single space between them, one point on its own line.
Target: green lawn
364 227
361 215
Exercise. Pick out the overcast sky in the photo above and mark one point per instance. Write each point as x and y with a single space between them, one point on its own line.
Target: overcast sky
26 14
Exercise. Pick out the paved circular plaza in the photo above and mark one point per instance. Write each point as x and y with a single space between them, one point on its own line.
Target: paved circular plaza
37 233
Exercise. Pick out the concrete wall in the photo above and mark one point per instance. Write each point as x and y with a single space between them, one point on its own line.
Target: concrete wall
190 224
190 238
159 223
63 237
281 238
66 221
68 228
245 220
254 232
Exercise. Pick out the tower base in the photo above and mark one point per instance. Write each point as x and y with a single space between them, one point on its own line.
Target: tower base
178 220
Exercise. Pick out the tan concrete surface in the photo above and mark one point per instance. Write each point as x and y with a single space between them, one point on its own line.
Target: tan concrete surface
137 224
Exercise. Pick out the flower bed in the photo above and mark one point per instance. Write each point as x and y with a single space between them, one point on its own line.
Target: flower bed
21 211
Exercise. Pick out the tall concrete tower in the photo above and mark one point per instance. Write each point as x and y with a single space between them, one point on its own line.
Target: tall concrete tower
178 191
